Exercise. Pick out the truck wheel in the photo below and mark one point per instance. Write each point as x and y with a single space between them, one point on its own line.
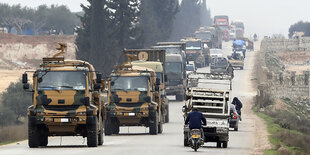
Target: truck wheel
153 122
225 144
236 129
43 140
108 126
115 127
218 144
100 135
167 114
33 136
92 132
160 127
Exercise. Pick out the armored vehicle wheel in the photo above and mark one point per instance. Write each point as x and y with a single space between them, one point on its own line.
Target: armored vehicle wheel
33 135
167 114
160 125
218 144
100 136
115 128
43 140
92 132
153 122
108 126
224 144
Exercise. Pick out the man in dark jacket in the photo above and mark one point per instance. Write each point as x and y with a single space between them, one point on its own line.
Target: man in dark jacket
238 105
195 119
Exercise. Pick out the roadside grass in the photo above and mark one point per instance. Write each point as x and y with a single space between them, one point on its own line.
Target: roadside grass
283 140
13 133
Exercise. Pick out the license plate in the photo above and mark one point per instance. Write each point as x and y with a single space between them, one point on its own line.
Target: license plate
64 120
195 136
131 114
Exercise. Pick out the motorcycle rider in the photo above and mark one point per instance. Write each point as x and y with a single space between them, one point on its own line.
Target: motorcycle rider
195 119
238 105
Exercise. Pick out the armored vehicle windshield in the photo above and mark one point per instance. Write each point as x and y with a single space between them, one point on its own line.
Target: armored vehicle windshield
61 80
129 83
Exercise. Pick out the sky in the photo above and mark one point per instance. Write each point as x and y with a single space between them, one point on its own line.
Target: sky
264 17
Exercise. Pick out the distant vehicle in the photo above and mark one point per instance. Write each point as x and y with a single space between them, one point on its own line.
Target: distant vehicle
234 118
216 53
219 65
223 23
239 28
190 68
232 32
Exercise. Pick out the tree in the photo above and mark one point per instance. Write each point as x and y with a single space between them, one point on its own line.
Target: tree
157 18
206 19
300 27
190 18
17 100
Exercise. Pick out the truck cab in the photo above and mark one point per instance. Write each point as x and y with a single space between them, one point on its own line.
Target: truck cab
66 101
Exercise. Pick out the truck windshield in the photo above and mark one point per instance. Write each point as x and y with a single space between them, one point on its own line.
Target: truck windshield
174 67
173 50
219 62
62 80
193 44
129 83
223 27
204 36
190 67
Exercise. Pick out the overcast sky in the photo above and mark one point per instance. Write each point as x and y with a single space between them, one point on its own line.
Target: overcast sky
264 17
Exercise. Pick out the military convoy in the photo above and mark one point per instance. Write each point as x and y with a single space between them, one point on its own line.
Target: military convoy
66 101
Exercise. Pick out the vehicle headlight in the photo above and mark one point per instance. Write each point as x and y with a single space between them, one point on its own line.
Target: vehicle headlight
81 113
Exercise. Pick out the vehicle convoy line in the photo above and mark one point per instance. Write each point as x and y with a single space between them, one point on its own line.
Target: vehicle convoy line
136 140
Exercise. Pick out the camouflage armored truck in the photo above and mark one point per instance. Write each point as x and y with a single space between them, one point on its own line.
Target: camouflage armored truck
155 60
66 101
132 99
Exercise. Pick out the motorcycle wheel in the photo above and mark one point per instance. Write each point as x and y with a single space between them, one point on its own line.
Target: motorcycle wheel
195 146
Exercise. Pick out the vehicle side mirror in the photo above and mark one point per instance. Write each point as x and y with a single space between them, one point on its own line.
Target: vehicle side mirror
97 86
25 78
99 77
157 81
157 88
26 86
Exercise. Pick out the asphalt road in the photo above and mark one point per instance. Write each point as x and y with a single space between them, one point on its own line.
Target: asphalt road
136 140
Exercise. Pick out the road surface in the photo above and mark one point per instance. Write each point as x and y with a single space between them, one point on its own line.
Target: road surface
136 140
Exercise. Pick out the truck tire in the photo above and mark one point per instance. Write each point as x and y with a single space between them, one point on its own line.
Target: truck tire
33 135
225 144
235 128
218 144
153 116
160 127
92 132
115 127
108 126
100 137
167 114
43 140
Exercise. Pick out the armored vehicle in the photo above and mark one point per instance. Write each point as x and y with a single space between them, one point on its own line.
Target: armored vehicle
66 101
132 95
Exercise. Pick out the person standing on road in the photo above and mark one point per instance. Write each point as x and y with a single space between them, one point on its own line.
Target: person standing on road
238 105
195 119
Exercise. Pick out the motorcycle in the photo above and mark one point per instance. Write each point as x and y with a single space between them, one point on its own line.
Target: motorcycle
195 139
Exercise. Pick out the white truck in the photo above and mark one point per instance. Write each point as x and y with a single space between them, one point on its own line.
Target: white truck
211 95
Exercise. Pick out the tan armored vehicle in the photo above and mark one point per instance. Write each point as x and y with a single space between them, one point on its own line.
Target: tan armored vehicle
133 99
65 101
195 52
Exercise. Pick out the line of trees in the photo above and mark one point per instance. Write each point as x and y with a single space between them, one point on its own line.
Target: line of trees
300 27
111 25
41 20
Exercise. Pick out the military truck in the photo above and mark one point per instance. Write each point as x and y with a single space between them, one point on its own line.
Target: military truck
212 36
155 60
176 83
212 97
133 99
236 60
66 101
195 52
